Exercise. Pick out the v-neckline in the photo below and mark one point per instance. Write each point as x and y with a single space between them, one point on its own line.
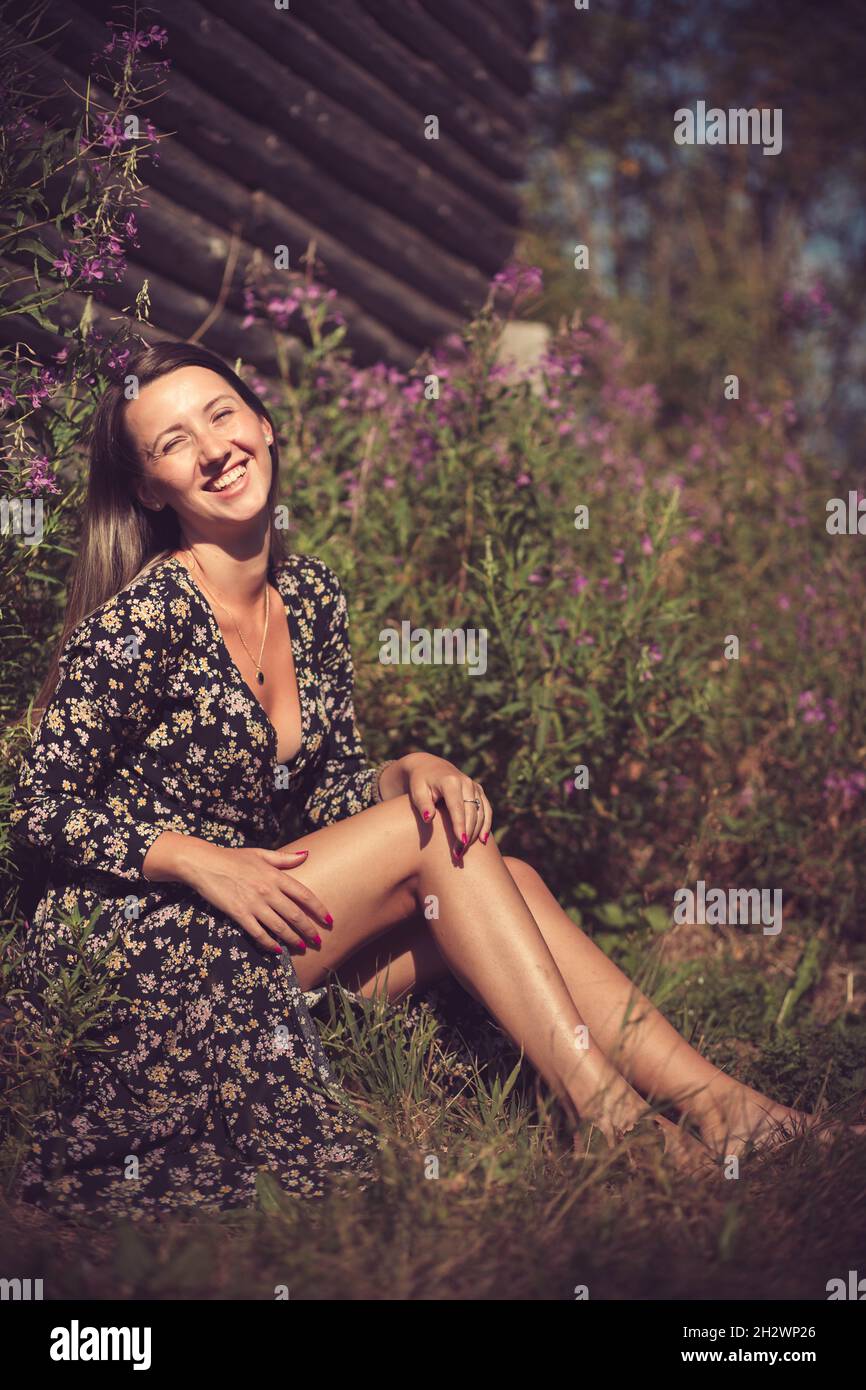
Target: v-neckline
295 640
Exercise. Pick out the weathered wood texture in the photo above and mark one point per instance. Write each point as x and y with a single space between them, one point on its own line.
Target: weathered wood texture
309 124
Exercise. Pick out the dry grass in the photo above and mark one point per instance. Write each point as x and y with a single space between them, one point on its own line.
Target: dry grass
513 1213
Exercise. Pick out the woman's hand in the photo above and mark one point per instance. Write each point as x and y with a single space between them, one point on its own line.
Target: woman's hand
431 781
252 887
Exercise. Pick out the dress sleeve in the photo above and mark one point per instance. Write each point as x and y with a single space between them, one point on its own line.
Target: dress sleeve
111 677
344 778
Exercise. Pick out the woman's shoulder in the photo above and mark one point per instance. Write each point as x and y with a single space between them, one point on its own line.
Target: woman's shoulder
315 586
310 574
142 609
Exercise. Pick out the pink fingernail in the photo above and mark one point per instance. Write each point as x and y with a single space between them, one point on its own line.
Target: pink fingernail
301 946
485 838
329 919
278 950
318 940
465 838
426 815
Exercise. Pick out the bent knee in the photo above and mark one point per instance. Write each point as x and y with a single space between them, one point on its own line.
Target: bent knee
523 874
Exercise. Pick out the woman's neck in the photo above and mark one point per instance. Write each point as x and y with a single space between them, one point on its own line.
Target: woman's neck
238 580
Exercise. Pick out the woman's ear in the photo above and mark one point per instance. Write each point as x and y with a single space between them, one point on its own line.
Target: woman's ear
146 498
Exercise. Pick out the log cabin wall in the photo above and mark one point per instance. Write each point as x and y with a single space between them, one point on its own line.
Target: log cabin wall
307 124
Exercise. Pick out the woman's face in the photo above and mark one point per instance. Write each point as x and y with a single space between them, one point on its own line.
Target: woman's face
203 450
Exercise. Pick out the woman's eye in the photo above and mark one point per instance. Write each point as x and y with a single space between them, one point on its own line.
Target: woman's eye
223 413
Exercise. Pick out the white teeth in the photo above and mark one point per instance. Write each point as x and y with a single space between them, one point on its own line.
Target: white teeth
231 477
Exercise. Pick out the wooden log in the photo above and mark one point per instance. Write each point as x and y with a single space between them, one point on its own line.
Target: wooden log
176 242
180 309
344 79
175 239
376 167
395 306
484 133
489 40
230 143
171 237
182 312
409 23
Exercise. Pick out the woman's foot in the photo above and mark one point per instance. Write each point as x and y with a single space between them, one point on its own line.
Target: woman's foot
625 1115
687 1154
743 1120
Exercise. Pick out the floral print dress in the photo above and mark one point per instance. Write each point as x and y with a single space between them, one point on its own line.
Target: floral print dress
207 1066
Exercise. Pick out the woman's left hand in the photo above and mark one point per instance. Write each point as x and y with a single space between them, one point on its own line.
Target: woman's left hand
431 780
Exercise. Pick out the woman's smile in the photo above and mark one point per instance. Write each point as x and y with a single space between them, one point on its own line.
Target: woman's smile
230 482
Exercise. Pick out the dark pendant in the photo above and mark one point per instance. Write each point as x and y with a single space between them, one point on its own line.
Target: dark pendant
260 677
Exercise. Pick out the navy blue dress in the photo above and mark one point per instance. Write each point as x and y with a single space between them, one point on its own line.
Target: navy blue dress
206 1066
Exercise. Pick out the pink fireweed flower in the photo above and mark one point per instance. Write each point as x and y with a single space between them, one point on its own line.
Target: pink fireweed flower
847 787
518 280
40 478
65 265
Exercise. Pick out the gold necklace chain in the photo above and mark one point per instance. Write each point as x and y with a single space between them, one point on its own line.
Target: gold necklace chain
260 675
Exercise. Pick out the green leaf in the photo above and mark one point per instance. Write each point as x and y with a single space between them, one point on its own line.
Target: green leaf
612 915
658 917
267 1193
607 941
29 243
42 318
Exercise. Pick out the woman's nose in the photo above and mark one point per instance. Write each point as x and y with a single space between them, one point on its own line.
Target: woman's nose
213 447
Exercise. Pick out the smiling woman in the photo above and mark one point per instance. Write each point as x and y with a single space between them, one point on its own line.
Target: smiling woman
157 788
153 461
216 449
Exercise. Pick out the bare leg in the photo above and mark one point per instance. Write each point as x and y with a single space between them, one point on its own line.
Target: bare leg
634 1035
377 868
648 1051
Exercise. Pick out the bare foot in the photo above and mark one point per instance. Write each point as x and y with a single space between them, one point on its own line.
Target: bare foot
687 1154
744 1120
622 1113
614 1110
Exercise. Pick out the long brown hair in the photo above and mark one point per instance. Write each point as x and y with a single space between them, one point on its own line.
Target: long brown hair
120 538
